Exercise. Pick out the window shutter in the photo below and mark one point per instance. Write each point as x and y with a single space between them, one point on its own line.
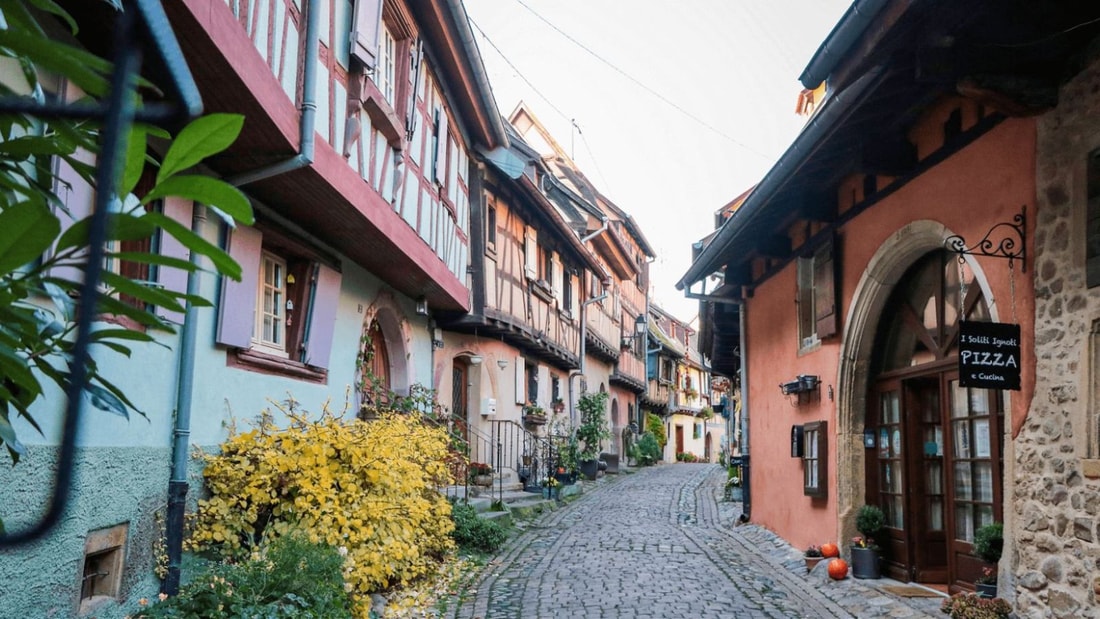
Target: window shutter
171 278
238 303
366 25
530 253
521 380
322 320
825 297
555 283
441 147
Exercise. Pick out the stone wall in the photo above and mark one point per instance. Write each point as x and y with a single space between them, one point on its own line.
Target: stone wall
1054 559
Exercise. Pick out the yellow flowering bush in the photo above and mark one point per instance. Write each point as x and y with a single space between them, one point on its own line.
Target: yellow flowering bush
367 486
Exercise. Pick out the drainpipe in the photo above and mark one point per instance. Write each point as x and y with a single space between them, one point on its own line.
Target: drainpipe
181 433
746 507
309 108
603 228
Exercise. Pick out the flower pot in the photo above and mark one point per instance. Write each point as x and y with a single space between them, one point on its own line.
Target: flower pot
865 563
986 590
590 468
811 563
483 480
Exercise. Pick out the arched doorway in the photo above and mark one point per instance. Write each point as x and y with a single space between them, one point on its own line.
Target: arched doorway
934 465
377 382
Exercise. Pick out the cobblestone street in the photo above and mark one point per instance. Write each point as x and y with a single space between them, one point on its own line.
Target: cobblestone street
659 543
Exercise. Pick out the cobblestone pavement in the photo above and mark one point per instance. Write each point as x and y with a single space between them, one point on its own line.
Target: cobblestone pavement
658 543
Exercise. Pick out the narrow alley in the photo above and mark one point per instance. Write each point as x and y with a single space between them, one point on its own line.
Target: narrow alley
662 543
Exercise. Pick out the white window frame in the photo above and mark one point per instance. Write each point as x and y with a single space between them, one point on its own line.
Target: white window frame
807 313
274 346
385 71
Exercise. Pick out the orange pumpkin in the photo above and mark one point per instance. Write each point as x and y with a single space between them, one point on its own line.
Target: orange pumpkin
838 569
830 550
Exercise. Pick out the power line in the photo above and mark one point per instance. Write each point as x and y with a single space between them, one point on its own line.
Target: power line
643 86
518 72
572 121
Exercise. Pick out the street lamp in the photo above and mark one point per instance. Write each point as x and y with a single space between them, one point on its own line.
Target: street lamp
640 328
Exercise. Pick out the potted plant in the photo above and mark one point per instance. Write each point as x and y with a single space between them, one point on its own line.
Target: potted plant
557 405
592 431
812 556
974 606
534 415
988 545
869 521
481 474
733 487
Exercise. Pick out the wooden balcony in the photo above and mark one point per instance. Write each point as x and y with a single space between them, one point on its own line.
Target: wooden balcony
658 395
630 372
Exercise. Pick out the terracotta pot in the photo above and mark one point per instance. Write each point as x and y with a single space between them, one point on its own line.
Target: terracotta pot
811 563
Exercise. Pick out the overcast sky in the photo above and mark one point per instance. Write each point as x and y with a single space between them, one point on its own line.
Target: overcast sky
679 105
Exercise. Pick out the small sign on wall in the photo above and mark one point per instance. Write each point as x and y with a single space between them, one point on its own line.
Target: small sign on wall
989 355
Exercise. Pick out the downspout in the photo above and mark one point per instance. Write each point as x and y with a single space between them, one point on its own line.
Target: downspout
746 477
597 232
309 108
181 432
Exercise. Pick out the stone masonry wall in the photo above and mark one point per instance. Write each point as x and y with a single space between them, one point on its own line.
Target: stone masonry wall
1055 555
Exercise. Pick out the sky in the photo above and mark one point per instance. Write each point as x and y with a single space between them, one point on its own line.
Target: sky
671 107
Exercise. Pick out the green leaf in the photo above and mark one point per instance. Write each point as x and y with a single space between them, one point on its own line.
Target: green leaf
206 190
110 305
18 376
222 261
120 227
106 401
26 230
8 437
203 137
111 388
151 258
142 291
120 334
85 70
119 348
135 160
52 7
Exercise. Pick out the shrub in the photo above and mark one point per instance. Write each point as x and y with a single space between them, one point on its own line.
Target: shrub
649 450
655 426
472 533
686 456
367 486
869 520
973 606
593 428
989 542
289 578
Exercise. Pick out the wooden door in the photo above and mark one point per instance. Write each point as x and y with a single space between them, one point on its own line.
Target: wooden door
925 500
679 439
886 472
459 404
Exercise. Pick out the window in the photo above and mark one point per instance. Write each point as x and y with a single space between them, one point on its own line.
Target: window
280 317
1092 221
272 305
530 253
385 73
101 576
532 382
567 294
814 458
817 313
555 388
546 273
491 228
698 431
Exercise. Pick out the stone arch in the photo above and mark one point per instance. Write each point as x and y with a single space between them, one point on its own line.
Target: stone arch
397 333
882 273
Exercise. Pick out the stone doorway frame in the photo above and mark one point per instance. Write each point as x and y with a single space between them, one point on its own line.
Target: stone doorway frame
883 271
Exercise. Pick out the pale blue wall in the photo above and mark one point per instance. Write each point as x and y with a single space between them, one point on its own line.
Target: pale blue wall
124 465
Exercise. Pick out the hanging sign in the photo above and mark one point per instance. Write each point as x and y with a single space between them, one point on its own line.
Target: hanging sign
989 355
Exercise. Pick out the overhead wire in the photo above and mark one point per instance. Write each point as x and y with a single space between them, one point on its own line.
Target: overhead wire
645 87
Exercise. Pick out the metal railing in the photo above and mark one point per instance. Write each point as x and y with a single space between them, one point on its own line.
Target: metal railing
511 450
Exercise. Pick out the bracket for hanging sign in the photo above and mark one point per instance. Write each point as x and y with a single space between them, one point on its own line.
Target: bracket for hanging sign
1004 240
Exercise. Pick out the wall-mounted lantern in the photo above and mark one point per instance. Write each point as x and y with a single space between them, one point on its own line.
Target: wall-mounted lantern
803 383
640 328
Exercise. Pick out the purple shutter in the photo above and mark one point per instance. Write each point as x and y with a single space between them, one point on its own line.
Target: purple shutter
171 278
322 322
366 23
238 302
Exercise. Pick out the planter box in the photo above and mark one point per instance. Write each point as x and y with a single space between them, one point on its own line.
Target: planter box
986 590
